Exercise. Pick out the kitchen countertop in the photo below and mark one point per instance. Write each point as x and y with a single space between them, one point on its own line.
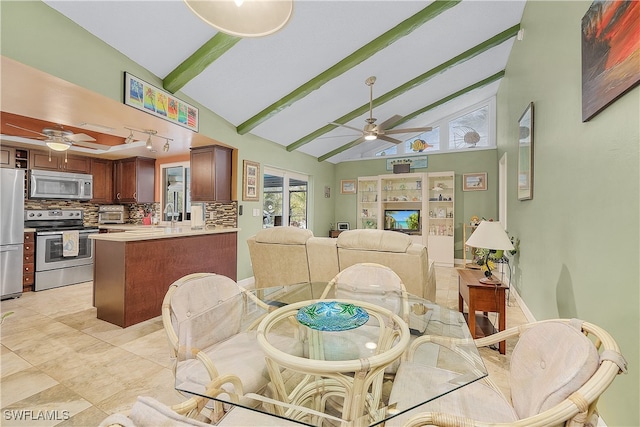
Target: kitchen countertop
147 232
29 230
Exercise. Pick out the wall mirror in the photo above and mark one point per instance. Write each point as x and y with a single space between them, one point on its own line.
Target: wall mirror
525 154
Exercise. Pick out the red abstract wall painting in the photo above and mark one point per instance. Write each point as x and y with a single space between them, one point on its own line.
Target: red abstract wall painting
610 53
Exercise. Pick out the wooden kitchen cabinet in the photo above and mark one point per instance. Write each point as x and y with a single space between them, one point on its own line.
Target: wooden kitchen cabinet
29 262
211 169
135 180
102 171
7 156
14 158
59 161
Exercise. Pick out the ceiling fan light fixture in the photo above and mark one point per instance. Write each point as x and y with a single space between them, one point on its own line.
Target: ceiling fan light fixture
250 18
58 144
370 136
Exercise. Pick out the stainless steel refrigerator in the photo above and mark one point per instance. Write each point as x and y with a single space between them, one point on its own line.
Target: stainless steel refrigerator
11 231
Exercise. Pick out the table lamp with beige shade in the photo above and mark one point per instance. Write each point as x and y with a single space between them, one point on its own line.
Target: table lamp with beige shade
490 235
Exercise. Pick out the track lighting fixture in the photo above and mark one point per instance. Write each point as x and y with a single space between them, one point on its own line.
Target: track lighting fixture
129 139
149 141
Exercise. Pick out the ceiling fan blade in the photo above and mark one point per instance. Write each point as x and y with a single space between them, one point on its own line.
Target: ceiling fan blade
388 139
28 130
347 126
80 137
389 122
407 130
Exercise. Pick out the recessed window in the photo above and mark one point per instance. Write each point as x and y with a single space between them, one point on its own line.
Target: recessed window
430 142
470 130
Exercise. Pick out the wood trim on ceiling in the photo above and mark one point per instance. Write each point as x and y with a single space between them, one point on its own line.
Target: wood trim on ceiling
199 61
464 56
360 55
484 82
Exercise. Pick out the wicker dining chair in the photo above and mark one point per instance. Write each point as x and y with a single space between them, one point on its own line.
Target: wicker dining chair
202 317
559 368
148 412
371 282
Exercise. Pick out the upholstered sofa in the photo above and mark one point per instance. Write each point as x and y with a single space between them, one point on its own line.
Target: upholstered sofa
288 255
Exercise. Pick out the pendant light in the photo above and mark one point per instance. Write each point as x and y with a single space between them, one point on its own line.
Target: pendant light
243 18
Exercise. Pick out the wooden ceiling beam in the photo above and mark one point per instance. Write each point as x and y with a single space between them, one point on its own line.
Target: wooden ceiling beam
199 61
360 55
484 82
464 56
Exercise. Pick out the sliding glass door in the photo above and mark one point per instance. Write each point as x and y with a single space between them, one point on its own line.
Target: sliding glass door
285 196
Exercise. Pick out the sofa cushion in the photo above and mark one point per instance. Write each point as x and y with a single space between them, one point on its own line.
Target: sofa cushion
322 256
284 235
374 240
549 362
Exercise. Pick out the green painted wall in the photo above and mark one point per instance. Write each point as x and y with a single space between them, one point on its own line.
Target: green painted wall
36 35
467 203
579 236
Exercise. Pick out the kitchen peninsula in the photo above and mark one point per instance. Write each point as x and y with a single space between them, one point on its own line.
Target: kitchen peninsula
133 269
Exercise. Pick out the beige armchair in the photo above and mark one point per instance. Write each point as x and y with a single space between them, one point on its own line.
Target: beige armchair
559 369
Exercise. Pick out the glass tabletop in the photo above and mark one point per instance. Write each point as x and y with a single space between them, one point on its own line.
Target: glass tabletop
438 339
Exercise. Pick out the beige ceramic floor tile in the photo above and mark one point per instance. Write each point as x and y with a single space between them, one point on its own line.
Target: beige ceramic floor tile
91 416
10 363
153 346
46 408
23 384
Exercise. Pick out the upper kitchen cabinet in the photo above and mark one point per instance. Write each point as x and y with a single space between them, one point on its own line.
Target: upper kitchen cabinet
102 171
211 170
57 161
14 158
135 180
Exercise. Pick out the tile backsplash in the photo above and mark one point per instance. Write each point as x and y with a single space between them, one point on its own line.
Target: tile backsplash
224 214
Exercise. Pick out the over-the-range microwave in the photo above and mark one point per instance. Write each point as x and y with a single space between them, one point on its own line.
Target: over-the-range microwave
45 184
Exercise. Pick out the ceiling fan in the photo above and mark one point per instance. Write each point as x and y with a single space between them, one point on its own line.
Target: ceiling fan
372 131
60 139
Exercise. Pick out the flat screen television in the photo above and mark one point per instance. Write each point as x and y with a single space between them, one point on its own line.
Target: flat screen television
406 220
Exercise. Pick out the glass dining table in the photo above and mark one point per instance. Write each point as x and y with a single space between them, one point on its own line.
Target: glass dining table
348 351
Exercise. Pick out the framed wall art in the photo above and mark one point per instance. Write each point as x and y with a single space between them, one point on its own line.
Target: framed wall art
343 226
250 181
525 154
150 99
348 186
610 50
474 181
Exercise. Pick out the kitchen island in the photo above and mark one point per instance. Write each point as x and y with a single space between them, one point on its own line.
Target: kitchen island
133 269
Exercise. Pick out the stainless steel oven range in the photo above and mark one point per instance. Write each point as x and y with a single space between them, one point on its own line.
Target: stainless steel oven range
57 265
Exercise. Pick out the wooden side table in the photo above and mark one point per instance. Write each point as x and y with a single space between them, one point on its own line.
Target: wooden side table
481 297
335 233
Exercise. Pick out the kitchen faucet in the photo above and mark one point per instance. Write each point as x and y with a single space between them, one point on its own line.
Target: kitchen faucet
173 216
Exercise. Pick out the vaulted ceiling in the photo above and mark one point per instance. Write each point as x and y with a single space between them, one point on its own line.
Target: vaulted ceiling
430 59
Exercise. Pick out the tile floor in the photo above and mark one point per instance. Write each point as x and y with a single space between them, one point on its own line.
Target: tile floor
57 361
